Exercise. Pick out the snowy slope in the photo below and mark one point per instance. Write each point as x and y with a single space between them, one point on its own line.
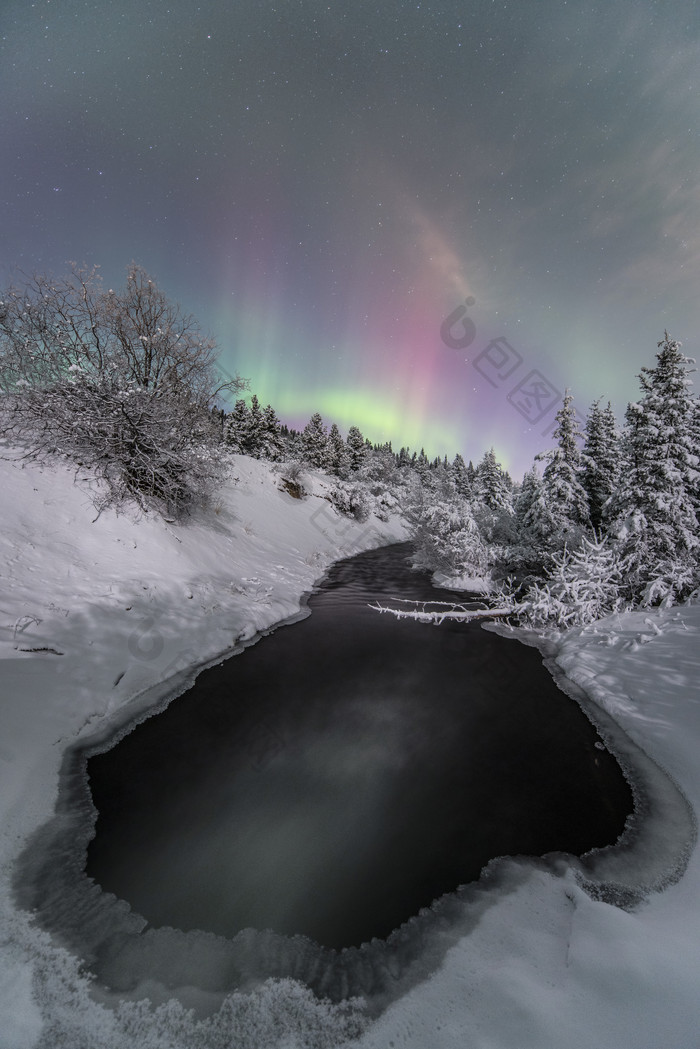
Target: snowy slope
128 602
95 612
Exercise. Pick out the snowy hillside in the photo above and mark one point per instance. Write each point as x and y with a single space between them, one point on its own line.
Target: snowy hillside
96 613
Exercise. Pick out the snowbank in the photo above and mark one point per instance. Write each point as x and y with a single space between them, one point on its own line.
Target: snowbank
548 965
474 584
96 614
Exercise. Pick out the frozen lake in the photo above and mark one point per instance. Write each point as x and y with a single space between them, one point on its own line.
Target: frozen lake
347 770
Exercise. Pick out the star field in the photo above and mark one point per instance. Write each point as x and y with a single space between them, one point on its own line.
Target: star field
322 184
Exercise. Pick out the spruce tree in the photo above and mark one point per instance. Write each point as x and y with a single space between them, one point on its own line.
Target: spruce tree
531 515
491 487
657 522
564 495
236 426
254 438
460 474
357 448
422 464
694 434
601 463
403 459
338 457
271 441
315 442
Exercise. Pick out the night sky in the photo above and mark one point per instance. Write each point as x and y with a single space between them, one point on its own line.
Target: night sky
322 184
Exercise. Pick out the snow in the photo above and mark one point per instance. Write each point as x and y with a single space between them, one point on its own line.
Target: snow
536 960
474 584
547 965
128 601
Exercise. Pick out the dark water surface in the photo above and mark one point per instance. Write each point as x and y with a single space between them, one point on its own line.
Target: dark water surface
347 770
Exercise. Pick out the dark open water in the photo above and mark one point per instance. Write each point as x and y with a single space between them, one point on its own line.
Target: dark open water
347 770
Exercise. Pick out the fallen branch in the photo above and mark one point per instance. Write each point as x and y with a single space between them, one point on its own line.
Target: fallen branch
448 612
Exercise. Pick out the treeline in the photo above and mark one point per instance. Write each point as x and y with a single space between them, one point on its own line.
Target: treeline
606 519
257 431
616 517
126 384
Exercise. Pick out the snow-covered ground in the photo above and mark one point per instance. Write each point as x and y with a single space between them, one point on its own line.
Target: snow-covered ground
95 613
547 966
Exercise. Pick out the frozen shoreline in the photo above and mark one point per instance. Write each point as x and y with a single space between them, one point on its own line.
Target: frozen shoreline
542 963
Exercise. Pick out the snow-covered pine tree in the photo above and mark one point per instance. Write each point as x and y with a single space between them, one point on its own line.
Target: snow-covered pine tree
656 519
293 445
254 436
357 448
694 436
236 426
532 519
422 464
565 499
271 441
441 482
600 463
338 456
491 487
315 442
403 459
461 476
446 536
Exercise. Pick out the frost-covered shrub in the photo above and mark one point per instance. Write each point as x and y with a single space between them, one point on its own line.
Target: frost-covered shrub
498 527
140 444
652 577
122 383
580 586
670 581
351 500
523 564
447 538
293 479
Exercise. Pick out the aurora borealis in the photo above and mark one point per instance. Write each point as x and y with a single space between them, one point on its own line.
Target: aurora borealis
322 184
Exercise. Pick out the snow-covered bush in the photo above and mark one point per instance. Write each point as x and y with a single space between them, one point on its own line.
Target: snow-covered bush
580 586
670 581
498 527
652 577
121 383
293 478
140 445
351 500
447 538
